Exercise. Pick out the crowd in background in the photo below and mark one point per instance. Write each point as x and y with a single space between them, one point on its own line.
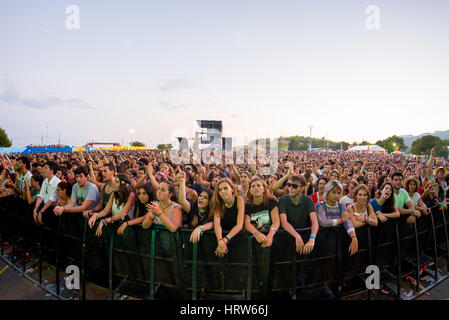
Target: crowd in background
307 189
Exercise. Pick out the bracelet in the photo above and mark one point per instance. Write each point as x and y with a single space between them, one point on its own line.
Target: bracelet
149 218
312 236
367 220
228 237
104 221
218 240
341 220
202 229
255 233
274 229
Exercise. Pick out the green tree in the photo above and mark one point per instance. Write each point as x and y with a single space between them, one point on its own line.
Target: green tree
137 144
4 140
164 146
422 146
390 144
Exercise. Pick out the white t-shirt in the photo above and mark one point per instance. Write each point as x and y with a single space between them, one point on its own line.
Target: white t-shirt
346 201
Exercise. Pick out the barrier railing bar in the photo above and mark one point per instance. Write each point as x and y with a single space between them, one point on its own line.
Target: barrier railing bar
111 254
398 248
435 249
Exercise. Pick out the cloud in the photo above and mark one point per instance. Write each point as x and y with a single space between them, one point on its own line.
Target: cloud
172 106
177 84
11 96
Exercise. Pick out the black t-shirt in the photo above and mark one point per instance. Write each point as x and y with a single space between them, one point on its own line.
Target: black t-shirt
297 215
197 218
260 214
229 219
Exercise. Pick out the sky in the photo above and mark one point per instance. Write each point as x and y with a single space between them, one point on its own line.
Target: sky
266 68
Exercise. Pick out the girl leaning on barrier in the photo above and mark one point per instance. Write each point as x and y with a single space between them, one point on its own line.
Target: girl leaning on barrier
119 205
331 213
227 209
145 195
411 185
165 211
361 212
261 213
384 206
198 213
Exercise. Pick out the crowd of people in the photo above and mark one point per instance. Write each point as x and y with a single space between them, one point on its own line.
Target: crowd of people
308 189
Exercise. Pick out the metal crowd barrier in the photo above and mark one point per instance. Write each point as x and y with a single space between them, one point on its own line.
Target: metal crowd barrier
158 264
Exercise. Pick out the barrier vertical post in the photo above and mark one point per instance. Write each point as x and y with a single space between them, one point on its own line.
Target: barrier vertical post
58 289
178 261
418 278
111 253
447 240
398 242
153 239
369 255
339 263
40 254
267 268
249 256
435 252
194 269
83 261
293 293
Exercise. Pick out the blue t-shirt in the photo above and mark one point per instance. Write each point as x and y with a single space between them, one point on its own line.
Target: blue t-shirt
90 192
375 205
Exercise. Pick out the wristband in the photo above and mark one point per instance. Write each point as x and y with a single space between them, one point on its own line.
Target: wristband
104 221
218 240
149 218
341 220
228 237
367 220
312 236
274 229
255 233
202 229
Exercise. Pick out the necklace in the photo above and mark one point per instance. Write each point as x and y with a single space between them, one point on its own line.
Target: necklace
163 208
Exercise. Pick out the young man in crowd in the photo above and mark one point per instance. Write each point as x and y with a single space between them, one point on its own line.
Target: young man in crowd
85 195
48 193
108 172
296 210
348 199
401 199
22 169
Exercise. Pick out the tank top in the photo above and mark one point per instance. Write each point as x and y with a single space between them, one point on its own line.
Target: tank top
229 219
117 209
360 214
159 222
106 196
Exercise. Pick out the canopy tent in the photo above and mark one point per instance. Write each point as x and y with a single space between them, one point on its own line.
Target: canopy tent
367 148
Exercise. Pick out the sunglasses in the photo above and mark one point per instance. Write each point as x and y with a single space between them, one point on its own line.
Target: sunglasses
294 185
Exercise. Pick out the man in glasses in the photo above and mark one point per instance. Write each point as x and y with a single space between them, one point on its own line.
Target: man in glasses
296 211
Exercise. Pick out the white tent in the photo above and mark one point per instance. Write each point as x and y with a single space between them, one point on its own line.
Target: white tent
367 148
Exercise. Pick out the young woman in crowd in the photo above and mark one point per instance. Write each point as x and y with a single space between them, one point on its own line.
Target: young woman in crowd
228 209
120 204
332 213
384 206
145 195
361 212
165 211
411 185
261 213
321 186
64 192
